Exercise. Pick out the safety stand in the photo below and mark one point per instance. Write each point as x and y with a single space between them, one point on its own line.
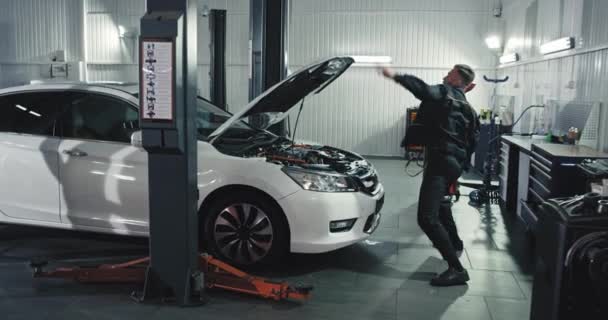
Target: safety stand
486 192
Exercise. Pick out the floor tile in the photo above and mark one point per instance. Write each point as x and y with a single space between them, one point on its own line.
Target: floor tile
508 309
493 260
419 256
525 282
412 305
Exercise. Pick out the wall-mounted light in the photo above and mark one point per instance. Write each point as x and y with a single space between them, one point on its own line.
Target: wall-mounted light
558 45
509 58
493 42
372 60
125 32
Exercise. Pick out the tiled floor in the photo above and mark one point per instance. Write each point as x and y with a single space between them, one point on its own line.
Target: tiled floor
385 277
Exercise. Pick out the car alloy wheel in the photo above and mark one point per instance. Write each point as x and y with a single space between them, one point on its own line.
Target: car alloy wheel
243 233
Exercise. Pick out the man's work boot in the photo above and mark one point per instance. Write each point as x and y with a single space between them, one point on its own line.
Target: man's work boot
451 277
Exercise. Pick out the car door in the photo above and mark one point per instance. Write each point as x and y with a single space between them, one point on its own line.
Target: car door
29 167
104 180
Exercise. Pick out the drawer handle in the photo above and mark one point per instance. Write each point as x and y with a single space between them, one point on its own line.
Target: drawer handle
541 185
541 172
543 159
540 165
536 195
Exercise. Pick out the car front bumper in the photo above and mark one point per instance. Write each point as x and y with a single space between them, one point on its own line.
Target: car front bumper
309 215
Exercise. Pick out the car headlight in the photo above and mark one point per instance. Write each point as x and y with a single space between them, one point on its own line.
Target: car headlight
322 182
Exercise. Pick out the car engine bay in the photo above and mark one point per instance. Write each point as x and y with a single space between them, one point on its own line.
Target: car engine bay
284 151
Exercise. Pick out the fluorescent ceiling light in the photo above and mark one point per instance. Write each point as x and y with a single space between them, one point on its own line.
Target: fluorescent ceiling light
562 44
35 114
372 60
509 58
493 42
21 107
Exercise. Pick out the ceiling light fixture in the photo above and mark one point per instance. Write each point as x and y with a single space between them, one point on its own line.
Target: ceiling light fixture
493 42
372 60
558 45
509 58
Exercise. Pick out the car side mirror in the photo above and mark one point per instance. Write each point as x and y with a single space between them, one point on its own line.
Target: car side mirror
137 140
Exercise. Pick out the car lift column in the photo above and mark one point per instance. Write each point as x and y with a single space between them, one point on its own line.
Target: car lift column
168 85
217 26
268 48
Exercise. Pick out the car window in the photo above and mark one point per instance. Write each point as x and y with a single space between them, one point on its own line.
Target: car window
210 117
100 117
30 113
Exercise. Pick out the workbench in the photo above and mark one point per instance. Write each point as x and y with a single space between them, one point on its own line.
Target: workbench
534 170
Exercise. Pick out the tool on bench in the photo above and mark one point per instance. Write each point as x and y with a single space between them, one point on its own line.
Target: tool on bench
217 274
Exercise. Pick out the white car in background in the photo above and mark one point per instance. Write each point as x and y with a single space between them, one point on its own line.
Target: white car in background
67 160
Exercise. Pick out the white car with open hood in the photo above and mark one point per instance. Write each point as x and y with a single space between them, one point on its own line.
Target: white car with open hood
70 158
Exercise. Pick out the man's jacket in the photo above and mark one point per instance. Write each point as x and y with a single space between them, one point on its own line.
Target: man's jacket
444 110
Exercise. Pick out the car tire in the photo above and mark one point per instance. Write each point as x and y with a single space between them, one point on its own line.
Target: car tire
244 229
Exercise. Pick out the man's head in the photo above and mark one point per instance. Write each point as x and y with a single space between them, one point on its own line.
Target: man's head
460 76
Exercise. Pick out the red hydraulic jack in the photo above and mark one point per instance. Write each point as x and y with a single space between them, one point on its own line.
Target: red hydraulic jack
217 274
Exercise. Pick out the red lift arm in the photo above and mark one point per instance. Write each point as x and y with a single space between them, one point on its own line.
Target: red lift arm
217 275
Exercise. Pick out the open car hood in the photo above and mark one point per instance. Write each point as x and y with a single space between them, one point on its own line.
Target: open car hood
273 105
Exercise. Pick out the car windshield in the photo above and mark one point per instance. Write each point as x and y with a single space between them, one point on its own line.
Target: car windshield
210 117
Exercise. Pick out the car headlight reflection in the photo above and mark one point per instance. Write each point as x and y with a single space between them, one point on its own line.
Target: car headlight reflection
322 182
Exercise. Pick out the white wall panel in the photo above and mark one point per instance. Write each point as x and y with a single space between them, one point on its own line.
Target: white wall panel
124 73
31 30
362 111
104 44
308 6
101 6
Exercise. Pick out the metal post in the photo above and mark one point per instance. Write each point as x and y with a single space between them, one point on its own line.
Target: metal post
257 31
168 77
217 26
267 36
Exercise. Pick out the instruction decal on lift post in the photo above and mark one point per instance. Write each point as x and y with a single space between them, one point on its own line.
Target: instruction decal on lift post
156 79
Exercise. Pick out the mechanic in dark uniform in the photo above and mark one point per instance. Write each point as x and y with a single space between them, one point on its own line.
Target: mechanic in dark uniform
453 134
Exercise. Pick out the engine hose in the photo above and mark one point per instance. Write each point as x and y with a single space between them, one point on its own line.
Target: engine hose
287 159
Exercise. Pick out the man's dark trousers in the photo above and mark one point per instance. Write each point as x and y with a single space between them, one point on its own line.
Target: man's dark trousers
434 214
